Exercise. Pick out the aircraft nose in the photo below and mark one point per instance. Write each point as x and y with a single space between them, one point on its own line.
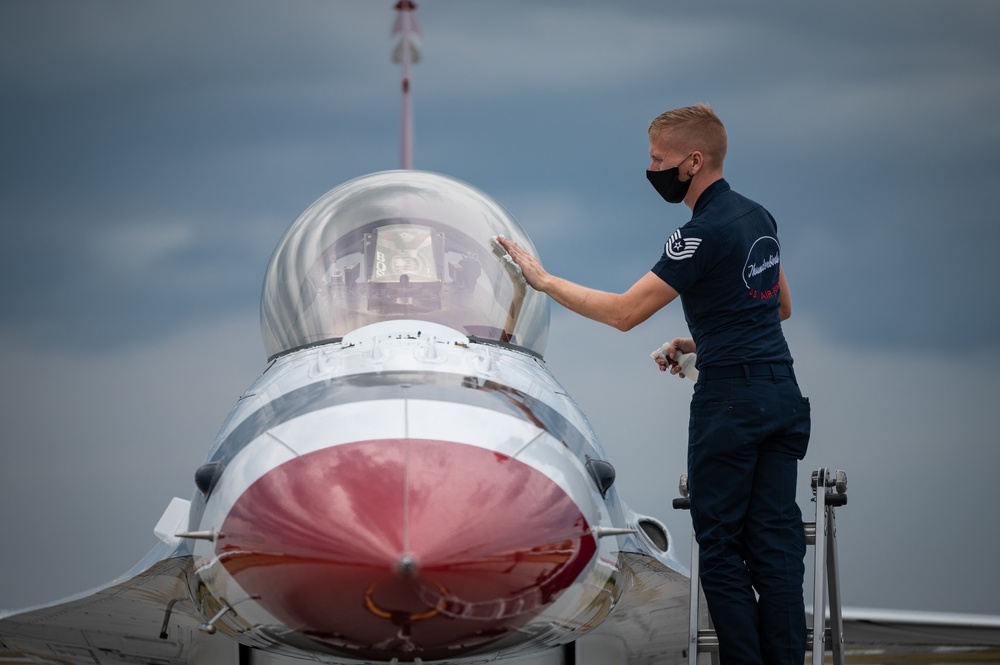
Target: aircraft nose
425 547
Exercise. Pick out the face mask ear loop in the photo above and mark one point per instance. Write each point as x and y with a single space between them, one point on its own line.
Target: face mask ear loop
688 173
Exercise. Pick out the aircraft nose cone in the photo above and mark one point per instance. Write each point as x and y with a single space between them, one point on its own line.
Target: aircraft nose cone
429 548
407 565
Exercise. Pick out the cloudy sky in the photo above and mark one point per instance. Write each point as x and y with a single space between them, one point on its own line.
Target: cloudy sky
152 154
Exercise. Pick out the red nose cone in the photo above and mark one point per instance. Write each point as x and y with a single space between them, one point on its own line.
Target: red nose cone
405 547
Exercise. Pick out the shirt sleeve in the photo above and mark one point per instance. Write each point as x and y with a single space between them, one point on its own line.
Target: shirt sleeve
688 253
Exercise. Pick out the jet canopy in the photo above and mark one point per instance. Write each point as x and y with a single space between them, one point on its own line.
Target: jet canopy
399 245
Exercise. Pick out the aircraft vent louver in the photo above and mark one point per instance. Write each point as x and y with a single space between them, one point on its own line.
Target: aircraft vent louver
656 533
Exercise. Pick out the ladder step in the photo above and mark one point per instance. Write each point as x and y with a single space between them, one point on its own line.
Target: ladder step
810 529
708 641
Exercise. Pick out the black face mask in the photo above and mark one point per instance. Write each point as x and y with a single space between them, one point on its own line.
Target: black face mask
668 185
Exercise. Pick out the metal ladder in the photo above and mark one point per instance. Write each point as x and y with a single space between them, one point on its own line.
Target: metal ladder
829 491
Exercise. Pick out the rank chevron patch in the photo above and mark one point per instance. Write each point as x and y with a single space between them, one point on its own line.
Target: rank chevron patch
679 248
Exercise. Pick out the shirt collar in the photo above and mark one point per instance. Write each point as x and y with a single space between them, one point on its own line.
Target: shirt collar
713 190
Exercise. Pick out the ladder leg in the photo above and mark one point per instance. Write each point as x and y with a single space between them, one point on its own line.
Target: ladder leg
694 604
833 584
819 605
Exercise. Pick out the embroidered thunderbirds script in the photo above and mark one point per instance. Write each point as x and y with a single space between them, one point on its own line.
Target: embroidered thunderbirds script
760 272
679 248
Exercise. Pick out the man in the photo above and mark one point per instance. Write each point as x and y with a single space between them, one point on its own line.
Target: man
749 423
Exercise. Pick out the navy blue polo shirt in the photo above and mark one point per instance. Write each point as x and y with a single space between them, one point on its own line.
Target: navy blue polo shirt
724 263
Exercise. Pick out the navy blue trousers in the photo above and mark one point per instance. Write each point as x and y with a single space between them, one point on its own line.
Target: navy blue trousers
746 436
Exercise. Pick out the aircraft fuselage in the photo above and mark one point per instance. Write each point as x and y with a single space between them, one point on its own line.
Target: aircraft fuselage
406 491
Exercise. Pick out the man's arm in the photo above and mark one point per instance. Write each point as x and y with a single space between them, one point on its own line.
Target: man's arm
622 311
784 296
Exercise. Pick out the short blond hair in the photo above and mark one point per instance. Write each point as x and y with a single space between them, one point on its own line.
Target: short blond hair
694 128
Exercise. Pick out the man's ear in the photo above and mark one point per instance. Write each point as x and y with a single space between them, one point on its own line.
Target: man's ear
697 163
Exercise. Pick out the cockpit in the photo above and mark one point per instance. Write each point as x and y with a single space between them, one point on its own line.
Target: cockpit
399 245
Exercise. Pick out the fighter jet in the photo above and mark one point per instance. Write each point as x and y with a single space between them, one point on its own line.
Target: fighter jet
405 482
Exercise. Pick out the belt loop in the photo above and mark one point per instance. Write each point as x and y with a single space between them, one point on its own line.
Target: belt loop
774 377
746 372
